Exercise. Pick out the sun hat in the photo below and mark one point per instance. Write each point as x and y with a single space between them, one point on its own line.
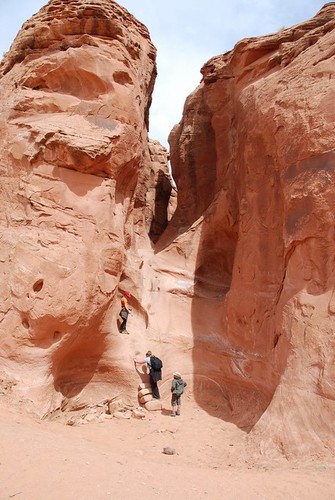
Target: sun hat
177 374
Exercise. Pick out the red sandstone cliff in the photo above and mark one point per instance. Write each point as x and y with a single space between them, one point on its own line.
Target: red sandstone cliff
238 291
76 167
253 158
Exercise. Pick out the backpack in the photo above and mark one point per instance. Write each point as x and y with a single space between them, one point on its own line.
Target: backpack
155 363
178 386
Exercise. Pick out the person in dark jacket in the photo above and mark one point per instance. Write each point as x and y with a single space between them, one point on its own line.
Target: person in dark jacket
124 313
155 374
177 388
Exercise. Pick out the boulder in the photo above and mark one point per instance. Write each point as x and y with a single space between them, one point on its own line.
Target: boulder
144 392
153 405
144 399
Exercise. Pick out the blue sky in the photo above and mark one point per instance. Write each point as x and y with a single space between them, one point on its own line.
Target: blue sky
186 34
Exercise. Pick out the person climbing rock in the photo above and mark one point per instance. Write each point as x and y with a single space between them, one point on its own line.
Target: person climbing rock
177 388
124 313
155 366
124 299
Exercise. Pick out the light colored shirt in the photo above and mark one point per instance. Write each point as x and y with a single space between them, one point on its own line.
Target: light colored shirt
147 359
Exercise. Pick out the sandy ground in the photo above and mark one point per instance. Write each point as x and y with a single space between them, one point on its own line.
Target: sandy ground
124 459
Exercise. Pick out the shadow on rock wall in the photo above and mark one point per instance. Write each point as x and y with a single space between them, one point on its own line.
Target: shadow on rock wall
224 384
75 362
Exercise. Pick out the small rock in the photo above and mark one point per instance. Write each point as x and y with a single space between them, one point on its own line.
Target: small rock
146 398
144 385
113 406
138 414
169 451
122 414
144 392
153 405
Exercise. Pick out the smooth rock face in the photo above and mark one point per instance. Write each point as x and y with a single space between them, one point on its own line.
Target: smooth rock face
235 291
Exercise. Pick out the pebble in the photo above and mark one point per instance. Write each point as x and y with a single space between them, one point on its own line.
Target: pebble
169 451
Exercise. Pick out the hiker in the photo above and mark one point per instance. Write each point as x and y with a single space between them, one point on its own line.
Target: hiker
177 388
124 313
124 299
155 366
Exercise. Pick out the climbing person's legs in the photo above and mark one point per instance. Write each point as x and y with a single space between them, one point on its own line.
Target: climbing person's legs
154 388
123 327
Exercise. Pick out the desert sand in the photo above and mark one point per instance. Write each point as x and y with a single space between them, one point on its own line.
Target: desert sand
124 459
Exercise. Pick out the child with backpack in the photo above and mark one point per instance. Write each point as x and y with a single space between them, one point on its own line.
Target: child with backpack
177 388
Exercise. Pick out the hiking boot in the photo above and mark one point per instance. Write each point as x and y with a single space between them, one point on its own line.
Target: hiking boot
173 414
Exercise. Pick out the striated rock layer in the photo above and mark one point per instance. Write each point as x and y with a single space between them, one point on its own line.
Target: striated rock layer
234 287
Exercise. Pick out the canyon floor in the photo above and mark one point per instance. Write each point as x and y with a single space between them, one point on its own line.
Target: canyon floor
123 459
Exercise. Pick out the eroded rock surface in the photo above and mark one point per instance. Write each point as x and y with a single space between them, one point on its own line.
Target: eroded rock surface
75 91
254 158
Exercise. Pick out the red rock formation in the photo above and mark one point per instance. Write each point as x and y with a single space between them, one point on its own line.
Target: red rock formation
253 158
162 200
237 293
75 93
